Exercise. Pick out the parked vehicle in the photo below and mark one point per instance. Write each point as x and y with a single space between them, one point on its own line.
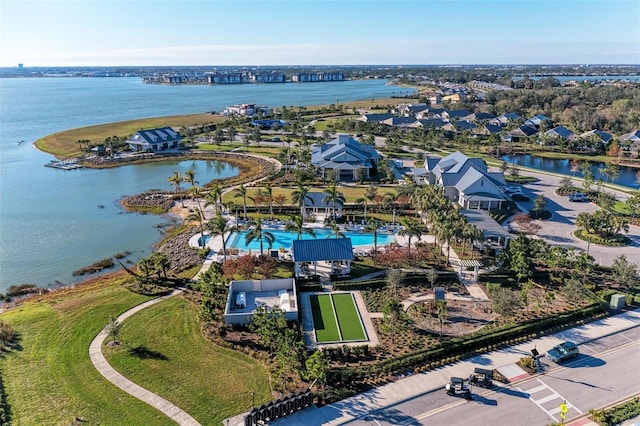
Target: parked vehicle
457 387
563 352
481 377
578 197
519 196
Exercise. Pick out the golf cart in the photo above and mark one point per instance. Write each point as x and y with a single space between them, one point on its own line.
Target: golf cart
481 377
458 386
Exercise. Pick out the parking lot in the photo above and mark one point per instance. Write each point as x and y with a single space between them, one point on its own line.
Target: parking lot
560 227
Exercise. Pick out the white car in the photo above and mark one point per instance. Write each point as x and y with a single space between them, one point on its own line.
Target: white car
512 189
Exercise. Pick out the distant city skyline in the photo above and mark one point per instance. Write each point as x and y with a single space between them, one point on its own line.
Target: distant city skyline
310 32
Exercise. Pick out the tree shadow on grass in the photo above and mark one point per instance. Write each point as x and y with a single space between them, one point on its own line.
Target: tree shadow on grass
143 352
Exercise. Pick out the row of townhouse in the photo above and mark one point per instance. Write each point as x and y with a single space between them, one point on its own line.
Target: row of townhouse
510 127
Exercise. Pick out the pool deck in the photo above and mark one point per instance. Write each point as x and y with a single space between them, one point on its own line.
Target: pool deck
215 242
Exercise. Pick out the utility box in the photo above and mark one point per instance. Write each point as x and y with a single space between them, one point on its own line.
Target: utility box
617 301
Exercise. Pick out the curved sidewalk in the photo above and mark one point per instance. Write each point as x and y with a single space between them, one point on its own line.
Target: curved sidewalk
103 367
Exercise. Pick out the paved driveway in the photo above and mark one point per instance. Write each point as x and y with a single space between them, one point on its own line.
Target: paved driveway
559 229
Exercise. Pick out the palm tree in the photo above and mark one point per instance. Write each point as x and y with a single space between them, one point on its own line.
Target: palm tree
146 266
241 191
296 224
369 197
268 189
214 197
411 228
333 196
445 232
199 215
220 226
190 177
335 230
299 196
160 262
391 199
176 180
372 226
257 233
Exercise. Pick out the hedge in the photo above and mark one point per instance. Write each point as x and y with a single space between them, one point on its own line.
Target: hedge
465 346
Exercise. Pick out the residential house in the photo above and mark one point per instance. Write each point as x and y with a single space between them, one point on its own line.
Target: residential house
463 125
539 120
403 123
249 110
154 140
377 117
592 141
467 181
454 98
346 156
487 130
410 110
505 119
430 123
518 133
454 114
435 99
430 113
604 137
629 138
560 133
478 116
268 124
631 142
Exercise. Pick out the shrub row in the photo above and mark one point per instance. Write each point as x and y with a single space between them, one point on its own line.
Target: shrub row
5 410
464 346
411 278
618 414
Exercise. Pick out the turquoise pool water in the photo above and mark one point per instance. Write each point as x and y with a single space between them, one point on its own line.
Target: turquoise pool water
284 238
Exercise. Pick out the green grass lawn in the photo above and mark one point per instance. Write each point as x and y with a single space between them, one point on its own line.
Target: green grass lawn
324 320
51 380
165 352
348 317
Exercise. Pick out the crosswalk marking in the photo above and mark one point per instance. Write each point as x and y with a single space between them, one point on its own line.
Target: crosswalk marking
554 395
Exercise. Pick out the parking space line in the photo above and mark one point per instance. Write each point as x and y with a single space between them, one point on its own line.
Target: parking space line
587 347
631 340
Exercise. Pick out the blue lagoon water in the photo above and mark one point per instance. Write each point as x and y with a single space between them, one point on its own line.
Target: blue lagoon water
50 224
283 239
628 176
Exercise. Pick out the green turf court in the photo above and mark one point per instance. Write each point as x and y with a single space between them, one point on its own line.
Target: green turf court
336 318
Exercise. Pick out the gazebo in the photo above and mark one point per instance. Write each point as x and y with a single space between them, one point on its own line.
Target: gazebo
336 252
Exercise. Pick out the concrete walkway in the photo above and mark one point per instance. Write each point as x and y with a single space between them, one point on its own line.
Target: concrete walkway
103 367
411 386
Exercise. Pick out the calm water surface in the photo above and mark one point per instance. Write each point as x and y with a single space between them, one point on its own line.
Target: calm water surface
628 176
283 239
50 223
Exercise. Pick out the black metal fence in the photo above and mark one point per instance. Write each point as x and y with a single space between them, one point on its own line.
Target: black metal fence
279 408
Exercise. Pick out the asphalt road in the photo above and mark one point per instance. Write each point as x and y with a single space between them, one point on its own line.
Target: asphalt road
606 371
560 227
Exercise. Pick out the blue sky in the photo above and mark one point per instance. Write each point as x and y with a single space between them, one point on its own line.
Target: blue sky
236 32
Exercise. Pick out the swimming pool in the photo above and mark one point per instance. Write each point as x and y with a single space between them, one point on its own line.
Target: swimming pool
283 239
